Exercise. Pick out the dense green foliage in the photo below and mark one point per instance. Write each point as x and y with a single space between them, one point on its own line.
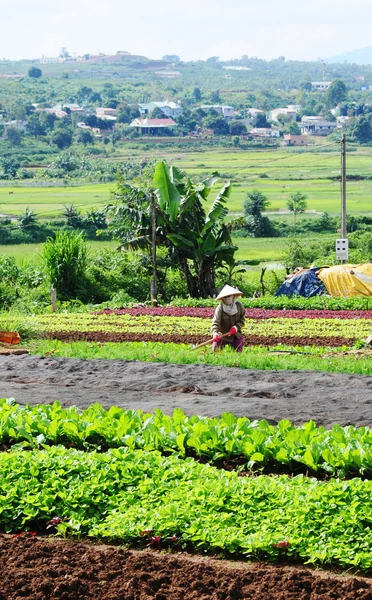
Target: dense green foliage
339 451
256 224
136 496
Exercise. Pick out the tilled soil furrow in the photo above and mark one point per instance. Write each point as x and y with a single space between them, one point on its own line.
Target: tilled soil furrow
43 569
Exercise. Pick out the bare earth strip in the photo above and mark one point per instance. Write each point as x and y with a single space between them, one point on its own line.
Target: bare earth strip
299 396
42 569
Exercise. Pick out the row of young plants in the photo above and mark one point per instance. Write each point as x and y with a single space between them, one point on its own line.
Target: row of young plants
288 302
339 451
276 358
206 312
126 323
143 498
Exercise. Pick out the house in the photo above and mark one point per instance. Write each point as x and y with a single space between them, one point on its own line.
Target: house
60 114
320 86
290 114
236 68
49 60
294 140
74 108
152 126
295 107
106 114
317 126
168 74
226 111
169 109
253 112
311 118
11 76
265 132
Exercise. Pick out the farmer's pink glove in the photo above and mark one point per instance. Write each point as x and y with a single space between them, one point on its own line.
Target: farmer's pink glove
233 330
216 338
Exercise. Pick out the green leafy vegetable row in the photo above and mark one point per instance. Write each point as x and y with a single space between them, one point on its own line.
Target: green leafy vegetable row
134 495
339 451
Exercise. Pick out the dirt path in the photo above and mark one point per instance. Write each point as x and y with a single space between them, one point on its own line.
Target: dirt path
299 396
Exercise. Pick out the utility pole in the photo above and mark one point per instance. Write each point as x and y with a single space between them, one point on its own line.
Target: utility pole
154 281
343 187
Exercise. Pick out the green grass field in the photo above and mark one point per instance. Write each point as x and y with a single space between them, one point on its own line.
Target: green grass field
49 201
255 249
24 252
286 171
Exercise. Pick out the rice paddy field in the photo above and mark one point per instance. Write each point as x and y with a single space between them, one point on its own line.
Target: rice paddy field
257 250
190 452
277 173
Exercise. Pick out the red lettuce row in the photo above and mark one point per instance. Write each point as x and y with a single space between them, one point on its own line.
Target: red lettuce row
251 313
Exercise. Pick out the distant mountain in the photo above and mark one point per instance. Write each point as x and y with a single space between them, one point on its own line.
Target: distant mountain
359 57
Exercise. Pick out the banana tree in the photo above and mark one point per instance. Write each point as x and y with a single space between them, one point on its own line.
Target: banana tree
200 240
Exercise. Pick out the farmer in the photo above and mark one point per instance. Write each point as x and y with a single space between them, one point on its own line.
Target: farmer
229 318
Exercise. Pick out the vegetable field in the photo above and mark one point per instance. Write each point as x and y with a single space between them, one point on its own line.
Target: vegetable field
191 326
148 491
226 486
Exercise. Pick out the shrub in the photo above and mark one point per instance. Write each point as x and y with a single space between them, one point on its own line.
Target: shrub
65 260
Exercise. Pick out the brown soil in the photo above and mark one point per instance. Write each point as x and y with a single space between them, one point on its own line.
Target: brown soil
249 340
47 569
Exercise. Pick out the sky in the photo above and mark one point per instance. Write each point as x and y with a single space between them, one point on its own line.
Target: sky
192 29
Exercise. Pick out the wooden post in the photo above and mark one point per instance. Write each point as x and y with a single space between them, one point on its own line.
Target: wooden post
53 298
262 280
154 281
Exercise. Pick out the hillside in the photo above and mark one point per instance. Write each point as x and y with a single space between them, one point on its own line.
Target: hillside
363 56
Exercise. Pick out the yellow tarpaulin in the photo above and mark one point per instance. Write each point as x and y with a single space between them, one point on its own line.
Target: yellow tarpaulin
347 280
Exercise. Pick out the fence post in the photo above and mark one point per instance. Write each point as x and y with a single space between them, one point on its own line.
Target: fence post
263 270
53 298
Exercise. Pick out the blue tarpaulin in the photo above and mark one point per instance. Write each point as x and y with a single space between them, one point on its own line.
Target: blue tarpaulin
305 283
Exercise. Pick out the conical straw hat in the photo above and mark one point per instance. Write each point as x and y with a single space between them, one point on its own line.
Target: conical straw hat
228 291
